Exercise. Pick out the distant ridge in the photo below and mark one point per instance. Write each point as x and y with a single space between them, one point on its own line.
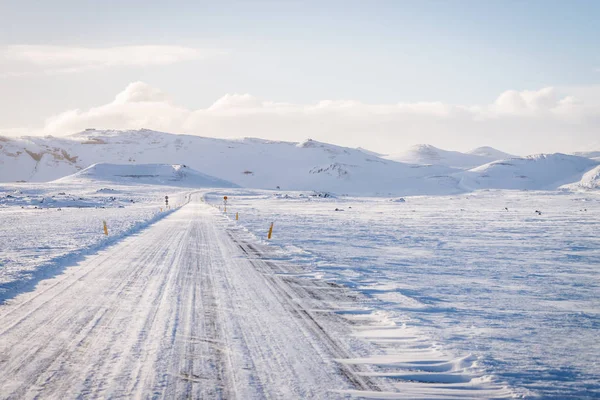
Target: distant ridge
490 152
153 174
277 165
428 154
536 172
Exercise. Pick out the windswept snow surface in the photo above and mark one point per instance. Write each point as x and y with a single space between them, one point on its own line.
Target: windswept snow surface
476 286
45 226
193 307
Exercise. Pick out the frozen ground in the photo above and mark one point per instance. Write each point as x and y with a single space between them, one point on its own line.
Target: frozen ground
45 226
481 277
470 296
193 307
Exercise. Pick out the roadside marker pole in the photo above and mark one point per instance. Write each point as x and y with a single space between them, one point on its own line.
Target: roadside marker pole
105 228
237 216
270 231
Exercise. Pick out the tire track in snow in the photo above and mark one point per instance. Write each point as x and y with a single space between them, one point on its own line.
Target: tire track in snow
286 292
398 365
187 308
100 316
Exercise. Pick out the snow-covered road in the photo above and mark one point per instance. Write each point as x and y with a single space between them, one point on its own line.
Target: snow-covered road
189 308
179 310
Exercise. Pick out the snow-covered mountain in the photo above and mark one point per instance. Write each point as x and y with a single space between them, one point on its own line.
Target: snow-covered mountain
255 163
490 153
536 172
151 174
263 164
594 155
427 154
590 180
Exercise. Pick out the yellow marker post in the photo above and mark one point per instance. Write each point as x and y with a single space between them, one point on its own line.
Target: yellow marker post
237 216
105 228
270 231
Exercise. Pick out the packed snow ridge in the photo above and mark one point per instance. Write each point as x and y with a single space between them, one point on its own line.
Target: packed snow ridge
309 165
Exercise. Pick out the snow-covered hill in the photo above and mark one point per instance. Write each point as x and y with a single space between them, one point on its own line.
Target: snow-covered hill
263 164
590 180
36 159
427 154
153 174
594 155
536 172
490 153
255 163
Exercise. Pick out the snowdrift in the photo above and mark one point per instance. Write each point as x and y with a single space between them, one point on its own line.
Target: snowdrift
537 172
153 174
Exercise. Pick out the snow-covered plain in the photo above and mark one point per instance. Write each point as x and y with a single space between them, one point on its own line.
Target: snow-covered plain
194 306
45 226
460 291
479 275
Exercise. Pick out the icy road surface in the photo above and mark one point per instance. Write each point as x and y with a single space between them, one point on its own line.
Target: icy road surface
188 308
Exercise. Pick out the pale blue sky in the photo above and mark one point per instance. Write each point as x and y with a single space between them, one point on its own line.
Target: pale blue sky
376 52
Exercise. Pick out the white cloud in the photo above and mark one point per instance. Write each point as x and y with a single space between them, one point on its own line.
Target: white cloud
139 92
236 101
67 59
513 101
523 122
